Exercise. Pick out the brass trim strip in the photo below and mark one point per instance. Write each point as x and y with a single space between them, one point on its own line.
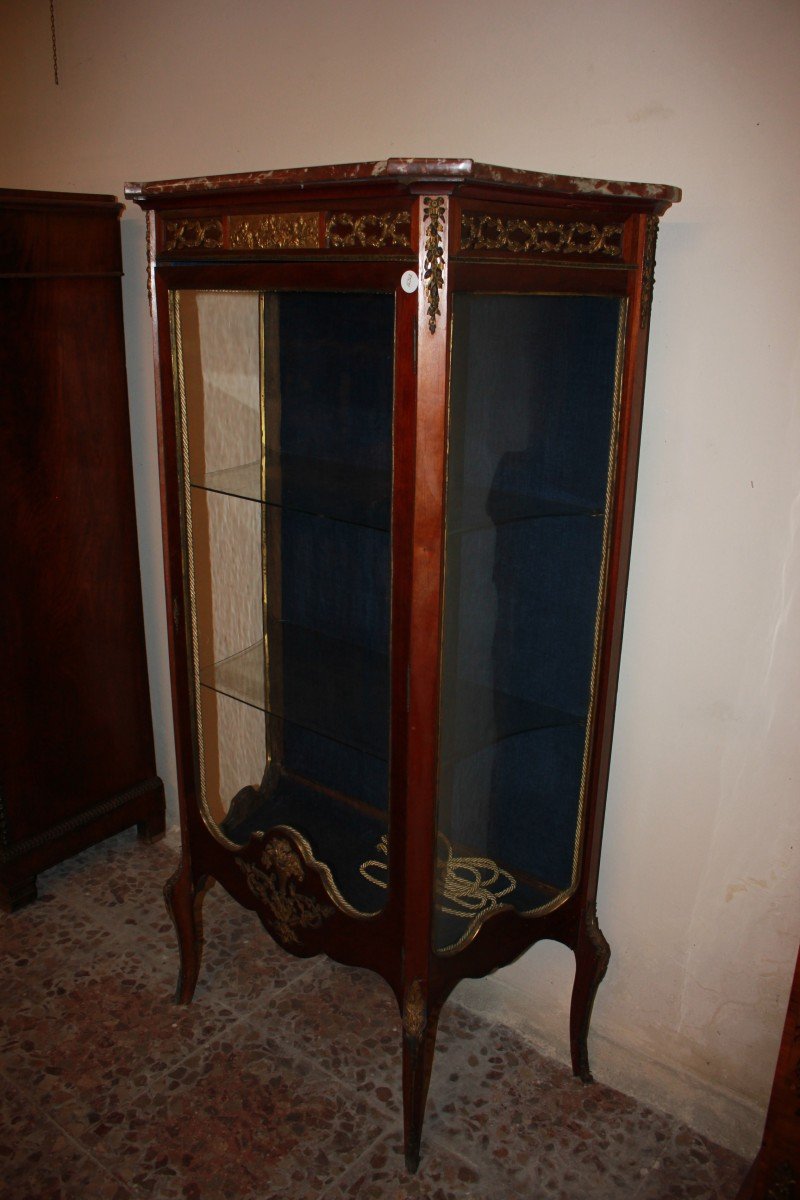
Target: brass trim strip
600 611
188 545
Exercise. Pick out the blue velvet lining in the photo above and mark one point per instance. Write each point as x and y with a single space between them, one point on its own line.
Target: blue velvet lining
531 403
336 379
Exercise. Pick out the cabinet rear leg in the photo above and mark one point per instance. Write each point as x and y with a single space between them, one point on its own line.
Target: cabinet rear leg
419 1041
16 893
184 899
152 826
592 953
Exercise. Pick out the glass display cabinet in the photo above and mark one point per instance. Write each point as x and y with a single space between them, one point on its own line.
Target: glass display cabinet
400 406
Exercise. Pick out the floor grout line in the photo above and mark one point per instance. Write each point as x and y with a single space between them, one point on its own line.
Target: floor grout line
47 1119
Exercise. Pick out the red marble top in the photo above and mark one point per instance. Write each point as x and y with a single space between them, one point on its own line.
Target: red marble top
408 169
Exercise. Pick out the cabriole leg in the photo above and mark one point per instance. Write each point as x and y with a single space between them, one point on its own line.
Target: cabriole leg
592 953
184 900
419 1041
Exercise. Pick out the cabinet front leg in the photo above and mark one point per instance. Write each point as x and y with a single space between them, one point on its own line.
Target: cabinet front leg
184 898
419 1041
592 953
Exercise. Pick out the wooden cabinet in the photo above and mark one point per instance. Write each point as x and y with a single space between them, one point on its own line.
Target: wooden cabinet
76 742
775 1174
400 406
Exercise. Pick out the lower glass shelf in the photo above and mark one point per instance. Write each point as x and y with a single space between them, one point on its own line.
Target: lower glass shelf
335 688
341 690
348 492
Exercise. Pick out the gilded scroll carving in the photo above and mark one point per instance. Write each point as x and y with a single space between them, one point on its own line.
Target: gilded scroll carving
193 233
370 231
649 269
275 231
480 231
275 884
433 274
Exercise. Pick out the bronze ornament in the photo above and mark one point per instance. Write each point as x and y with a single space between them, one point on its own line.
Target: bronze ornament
433 273
481 231
193 233
648 270
275 231
369 231
415 1014
275 884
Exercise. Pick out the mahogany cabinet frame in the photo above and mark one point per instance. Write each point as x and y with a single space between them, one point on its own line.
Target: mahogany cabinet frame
462 226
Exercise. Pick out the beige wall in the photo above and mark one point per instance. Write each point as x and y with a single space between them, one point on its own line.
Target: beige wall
698 890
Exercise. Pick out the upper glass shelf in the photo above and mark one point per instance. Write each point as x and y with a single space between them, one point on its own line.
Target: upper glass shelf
481 508
361 495
347 492
482 716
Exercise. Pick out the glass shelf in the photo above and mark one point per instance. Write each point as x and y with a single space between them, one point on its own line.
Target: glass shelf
477 508
243 481
332 687
346 492
341 691
361 496
482 716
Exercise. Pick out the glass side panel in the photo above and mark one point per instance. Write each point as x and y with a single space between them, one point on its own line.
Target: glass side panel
286 403
533 399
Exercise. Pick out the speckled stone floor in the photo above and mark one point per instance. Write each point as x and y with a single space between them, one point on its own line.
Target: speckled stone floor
282 1078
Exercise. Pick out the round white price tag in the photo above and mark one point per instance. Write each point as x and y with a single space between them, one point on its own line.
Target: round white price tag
410 281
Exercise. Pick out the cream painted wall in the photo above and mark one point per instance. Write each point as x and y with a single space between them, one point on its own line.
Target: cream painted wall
699 882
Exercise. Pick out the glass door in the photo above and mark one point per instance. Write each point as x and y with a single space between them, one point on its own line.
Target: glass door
533 411
286 405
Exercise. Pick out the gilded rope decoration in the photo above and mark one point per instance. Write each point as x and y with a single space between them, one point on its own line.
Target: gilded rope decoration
466 885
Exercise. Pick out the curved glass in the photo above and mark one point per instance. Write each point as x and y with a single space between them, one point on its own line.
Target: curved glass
286 424
532 424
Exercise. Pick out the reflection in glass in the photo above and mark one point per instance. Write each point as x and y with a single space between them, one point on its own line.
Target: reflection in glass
528 471
287 402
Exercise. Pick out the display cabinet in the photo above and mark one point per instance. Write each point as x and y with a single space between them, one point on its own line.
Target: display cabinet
77 762
400 406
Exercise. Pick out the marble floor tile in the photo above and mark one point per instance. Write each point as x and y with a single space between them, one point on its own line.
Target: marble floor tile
347 1021
689 1167
238 1120
381 1174
39 1161
283 1077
